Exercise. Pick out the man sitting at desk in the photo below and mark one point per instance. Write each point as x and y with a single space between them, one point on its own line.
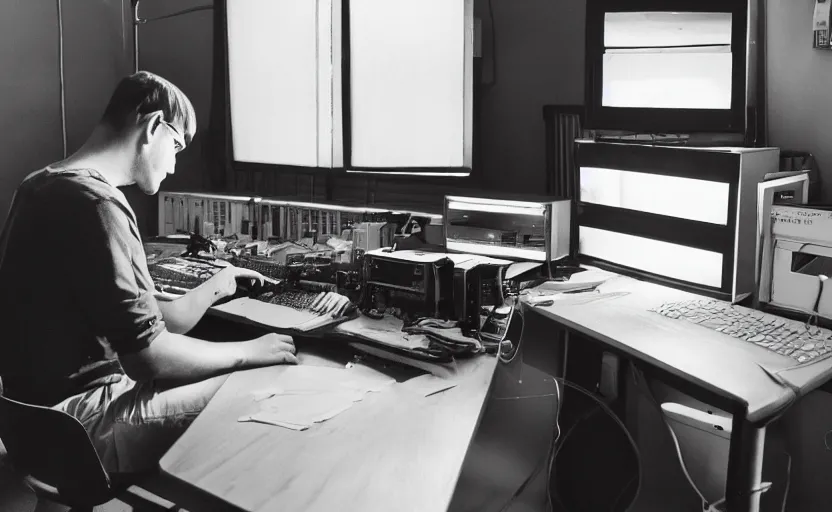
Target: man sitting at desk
83 332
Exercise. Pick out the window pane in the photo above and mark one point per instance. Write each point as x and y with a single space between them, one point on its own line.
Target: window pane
667 80
651 29
662 258
273 80
410 93
683 198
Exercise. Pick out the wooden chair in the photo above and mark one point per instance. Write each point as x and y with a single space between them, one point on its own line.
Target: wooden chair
55 455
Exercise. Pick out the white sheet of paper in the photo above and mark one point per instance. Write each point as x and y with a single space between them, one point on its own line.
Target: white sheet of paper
306 409
581 280
307 394
428 384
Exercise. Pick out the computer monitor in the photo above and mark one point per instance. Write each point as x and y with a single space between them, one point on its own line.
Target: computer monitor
669 66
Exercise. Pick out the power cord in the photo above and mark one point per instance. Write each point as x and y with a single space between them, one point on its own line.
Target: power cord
788 482
61 73
638 378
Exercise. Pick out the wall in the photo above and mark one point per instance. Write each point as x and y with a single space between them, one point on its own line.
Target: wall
94 60
799 99
29 107
540 61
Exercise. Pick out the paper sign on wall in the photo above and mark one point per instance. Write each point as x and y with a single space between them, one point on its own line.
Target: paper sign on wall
820 20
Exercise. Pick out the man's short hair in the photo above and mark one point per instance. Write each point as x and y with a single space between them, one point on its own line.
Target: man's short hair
143 93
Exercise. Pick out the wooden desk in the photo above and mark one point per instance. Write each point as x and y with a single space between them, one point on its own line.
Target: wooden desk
717 367
395 450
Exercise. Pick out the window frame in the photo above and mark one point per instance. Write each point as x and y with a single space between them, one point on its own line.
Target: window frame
341 87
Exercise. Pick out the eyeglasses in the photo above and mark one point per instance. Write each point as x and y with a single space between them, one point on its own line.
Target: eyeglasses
178 139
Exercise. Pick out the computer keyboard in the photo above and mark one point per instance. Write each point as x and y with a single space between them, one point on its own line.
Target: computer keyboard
321 303
266 266
786 337
179 275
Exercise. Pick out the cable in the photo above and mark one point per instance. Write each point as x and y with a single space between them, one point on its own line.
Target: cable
61 73
788 482
621 494
141 21
184 11
623 427
135 25
509 317
637 378
577 422
493 45
554 451
712 506
538 466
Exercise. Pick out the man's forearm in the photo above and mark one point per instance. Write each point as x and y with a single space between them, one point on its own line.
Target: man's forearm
178 357
183 313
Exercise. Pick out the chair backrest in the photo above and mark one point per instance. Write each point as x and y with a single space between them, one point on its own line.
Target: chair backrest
53 448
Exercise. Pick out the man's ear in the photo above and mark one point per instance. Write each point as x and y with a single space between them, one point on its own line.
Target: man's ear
149 123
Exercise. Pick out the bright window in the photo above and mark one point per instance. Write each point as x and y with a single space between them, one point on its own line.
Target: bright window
410 83
409 104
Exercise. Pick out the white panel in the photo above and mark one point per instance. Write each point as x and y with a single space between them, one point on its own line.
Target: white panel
407 67
700 80
497 250
324 82
468 88
662 258
645 29
337 95
683 198
273 81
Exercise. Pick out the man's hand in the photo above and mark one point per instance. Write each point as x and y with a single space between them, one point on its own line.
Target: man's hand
176 357
269 350
224 282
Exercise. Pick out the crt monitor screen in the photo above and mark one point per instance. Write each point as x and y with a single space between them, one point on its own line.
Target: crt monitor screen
667 60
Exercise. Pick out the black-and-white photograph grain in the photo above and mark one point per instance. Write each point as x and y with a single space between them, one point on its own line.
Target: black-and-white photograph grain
415 255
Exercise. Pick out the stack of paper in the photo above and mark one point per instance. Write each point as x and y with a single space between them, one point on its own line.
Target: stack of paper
304 395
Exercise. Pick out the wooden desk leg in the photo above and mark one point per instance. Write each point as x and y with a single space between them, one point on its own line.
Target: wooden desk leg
745 466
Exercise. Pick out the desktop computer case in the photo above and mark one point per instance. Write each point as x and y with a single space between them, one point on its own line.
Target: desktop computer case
555 219
743 168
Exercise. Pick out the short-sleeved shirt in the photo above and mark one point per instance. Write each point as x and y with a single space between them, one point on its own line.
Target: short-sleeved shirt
75 291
